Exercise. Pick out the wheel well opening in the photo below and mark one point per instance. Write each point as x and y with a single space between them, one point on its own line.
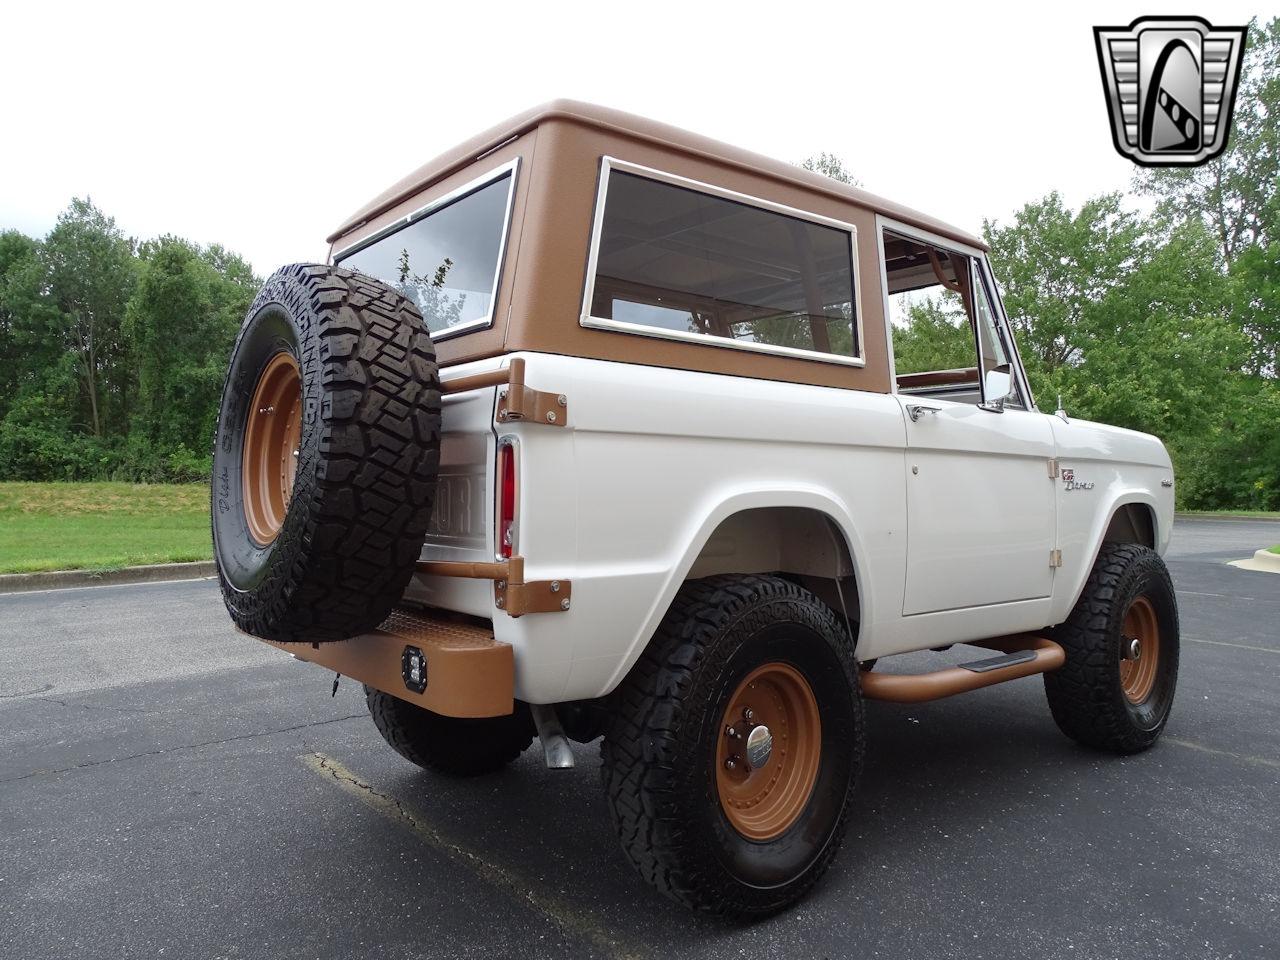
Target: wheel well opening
1132 523
798 543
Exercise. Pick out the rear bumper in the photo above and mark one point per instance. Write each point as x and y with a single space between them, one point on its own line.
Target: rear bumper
468 672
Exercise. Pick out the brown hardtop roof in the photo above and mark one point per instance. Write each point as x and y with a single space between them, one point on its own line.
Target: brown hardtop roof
629 124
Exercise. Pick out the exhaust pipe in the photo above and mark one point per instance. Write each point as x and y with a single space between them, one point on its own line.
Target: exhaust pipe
555 745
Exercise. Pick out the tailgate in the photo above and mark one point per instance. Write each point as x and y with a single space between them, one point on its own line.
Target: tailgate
462 521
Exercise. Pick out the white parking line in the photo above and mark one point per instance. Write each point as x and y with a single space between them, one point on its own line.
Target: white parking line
1260 761
1224 643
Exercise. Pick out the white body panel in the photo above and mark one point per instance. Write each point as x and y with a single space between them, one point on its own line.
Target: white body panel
1124 467
980 505
622 500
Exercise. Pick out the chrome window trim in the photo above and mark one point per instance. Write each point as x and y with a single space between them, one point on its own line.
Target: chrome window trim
511 167
608 164
979 257
884 304
997 304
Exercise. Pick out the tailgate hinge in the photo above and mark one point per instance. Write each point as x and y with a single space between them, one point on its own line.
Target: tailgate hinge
1055 558
1053 468
519 402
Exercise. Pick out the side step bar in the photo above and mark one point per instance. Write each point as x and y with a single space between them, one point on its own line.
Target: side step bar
1022 656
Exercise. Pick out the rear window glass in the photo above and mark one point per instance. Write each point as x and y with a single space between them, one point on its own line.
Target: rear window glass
446 258
674 261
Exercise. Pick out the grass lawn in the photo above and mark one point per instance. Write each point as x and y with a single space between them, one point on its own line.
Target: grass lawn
1275 549
101 526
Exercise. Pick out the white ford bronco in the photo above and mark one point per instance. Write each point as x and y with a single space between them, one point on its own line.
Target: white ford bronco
594 428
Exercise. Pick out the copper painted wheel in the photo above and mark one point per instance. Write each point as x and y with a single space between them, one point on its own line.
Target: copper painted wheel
271 441
1140 651
773 719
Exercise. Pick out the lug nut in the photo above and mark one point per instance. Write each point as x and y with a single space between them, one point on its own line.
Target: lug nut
731 763
748 714
730 732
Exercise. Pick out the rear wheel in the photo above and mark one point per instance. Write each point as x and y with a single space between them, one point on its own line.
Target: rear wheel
734 744
450 745
1116 688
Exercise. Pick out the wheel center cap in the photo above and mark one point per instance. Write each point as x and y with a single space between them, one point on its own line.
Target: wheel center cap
1132 648
759 746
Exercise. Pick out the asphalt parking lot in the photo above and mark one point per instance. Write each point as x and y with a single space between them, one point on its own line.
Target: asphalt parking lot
168 788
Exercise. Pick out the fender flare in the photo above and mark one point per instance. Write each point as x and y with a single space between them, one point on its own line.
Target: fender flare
710 516
1122 498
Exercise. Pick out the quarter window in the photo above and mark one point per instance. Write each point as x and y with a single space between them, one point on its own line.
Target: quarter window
447 258
675 261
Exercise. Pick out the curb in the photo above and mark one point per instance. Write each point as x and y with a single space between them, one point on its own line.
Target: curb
1263 561
66 579
1225 516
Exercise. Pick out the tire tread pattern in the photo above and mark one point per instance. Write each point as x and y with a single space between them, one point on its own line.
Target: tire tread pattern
1085 695
643 772
366 479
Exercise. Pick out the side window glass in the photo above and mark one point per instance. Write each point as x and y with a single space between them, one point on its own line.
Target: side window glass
677 261
991 344
930 303
946 334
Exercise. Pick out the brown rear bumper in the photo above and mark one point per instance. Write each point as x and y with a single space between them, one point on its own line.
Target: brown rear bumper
468 672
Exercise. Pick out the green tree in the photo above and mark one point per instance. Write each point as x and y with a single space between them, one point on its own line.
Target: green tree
1131 322
89 272
830 165
1237 195
181 321
1255 300
1056 269
935 336
17 260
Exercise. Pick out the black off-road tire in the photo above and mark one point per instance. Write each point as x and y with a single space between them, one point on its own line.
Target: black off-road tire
659 749
367 458
457 747
1086 695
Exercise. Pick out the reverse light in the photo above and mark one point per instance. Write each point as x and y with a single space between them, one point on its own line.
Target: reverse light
506 499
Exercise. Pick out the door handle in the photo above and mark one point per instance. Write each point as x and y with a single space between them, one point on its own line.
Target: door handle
917 410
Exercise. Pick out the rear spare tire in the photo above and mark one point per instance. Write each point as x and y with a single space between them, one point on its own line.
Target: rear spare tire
326 455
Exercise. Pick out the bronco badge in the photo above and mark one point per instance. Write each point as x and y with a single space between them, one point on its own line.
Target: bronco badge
1071 483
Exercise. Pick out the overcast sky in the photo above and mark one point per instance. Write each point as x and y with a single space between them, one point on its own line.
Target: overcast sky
262 125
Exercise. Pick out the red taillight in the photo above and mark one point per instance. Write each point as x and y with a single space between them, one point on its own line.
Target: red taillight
506 499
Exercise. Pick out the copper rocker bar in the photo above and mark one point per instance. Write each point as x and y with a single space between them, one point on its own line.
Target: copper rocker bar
1023 657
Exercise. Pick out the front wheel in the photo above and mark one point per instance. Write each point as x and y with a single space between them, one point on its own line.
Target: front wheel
1116 688
734 745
